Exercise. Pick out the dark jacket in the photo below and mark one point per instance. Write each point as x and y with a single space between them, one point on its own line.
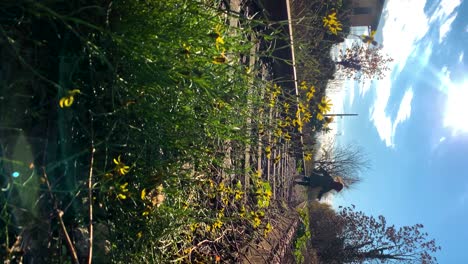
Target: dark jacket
319 178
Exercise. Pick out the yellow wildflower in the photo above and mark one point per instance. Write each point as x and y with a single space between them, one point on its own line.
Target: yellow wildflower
278 132
286 107
242 211
258 173
325 105
320 116
308 156
310 93
268 152
302 108
218 36
139 234
256 222
217 224
268 229
121 196
186 50
306 118
120 167
369 39
68 100
278 158
194 227
238 195
219 41
220 59
303 85
332 23
143 194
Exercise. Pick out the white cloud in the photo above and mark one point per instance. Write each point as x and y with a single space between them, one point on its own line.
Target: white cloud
364 87
350 89
446 27
386 128
445 8
382 122
405 24
404 111
460 57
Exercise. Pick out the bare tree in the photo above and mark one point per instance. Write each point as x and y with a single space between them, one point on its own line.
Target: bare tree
350 236
345 161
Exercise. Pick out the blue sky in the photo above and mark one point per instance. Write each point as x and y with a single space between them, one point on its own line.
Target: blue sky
414 124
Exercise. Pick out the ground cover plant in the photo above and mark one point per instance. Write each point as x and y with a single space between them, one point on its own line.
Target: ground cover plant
141 132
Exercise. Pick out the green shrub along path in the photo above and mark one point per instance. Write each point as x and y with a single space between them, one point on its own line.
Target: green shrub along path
147 131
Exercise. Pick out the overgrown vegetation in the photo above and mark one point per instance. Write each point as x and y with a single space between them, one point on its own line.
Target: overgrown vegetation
140 132
350 236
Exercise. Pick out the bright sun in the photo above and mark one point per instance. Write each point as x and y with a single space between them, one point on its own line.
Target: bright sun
456 111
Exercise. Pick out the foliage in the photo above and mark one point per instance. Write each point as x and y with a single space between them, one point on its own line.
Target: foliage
363 62
303 236
127 123
354 237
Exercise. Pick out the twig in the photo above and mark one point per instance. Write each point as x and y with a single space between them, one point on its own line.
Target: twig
90 195
59 213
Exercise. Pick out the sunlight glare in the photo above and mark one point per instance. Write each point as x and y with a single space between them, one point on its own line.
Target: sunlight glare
456 111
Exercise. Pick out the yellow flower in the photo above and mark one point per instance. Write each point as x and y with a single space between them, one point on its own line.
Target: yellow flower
278 132
283 124
320 116
278 158
219 41
325 105
268 152
225 200
268 229
303 85
238 195
123 187
306 118
217 224
335 27
242 211
121 196
369 39
310 93
256 222
68 100
143 194
194 227
139 234
220 59
186 50
258 173
287 136
120 167
332 23
286 107
302 108
217 34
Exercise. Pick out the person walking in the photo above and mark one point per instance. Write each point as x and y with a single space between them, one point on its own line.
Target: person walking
321 178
